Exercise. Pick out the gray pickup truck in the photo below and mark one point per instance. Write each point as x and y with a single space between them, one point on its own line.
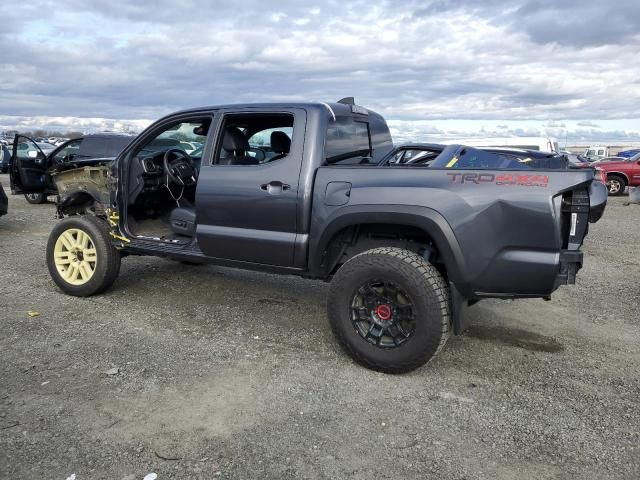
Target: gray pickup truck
408 236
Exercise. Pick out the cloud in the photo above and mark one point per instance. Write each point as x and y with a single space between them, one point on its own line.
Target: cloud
588 124
84 124
417 62
580 24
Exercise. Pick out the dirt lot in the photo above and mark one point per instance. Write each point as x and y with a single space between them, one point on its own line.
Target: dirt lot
232 374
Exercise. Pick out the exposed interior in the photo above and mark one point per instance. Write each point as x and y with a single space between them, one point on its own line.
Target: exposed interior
163 173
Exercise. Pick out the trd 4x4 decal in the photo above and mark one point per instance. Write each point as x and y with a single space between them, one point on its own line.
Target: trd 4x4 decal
500 179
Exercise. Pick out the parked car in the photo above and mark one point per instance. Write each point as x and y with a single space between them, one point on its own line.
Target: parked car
620 173
5 159
31 164
597 152
4 202
190 147
407 247
45 147
628 153
427 154
578 161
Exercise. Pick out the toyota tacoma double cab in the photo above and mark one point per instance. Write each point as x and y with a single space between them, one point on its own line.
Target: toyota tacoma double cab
408 236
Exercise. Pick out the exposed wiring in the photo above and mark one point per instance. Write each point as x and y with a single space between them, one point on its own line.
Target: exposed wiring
177 200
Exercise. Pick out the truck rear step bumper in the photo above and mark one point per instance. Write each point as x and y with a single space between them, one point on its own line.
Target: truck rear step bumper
570 263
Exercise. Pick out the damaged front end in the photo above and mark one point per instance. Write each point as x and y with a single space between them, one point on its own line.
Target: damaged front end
83 190
89 190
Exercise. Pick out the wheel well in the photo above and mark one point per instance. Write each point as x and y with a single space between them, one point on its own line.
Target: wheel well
355 239
619 174
80 203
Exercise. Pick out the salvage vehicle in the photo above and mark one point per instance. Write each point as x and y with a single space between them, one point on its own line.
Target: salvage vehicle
597 152
308 189
628 153
502 158
4 202
5 159
620 173
32 166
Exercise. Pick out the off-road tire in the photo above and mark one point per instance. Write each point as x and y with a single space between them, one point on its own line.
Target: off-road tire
107 265
35 198
621 181
420 280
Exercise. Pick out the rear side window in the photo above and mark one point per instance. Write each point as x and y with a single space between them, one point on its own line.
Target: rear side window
347 140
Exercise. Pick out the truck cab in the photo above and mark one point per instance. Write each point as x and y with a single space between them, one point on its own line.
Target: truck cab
597 152
245 195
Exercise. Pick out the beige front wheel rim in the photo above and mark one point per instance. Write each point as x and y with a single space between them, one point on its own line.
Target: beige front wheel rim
75 256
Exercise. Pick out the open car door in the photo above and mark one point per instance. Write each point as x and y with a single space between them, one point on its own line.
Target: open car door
28 166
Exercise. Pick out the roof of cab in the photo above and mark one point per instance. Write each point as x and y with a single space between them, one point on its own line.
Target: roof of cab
332 108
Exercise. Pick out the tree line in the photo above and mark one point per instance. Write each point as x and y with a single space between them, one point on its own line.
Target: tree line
44 133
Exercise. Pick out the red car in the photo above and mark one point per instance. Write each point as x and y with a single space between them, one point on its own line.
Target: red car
620 173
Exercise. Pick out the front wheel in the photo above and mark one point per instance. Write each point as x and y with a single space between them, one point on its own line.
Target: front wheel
35 198
615 185
389 309
80 257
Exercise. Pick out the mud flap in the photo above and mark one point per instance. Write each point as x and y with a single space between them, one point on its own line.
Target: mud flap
459 306
570 263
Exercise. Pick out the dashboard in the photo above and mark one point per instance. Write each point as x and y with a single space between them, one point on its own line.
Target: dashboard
150 168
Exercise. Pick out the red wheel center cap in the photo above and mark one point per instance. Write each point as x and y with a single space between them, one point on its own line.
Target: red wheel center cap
384 312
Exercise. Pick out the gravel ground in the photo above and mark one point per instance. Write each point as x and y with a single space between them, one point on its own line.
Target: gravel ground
230 374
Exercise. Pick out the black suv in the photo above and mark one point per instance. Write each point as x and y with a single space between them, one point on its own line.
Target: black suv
5 158
31 167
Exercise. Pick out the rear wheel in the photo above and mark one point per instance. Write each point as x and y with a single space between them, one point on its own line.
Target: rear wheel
80 257
389 309
616 185
35 198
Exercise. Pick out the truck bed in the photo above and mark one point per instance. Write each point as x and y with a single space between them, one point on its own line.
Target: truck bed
501 233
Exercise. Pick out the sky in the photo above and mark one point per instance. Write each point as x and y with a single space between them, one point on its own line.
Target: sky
436 69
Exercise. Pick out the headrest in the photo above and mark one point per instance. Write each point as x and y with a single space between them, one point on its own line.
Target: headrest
234 140
280 142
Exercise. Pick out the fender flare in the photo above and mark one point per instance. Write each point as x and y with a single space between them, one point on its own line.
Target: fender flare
426 219
621 174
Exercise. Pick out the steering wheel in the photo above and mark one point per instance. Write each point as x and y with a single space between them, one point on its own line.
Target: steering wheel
179 167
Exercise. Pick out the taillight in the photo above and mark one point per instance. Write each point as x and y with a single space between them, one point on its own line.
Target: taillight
601 174
575 218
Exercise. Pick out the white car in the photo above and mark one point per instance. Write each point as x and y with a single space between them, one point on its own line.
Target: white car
190 147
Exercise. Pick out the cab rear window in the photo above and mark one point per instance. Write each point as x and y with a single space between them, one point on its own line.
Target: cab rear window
347 140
